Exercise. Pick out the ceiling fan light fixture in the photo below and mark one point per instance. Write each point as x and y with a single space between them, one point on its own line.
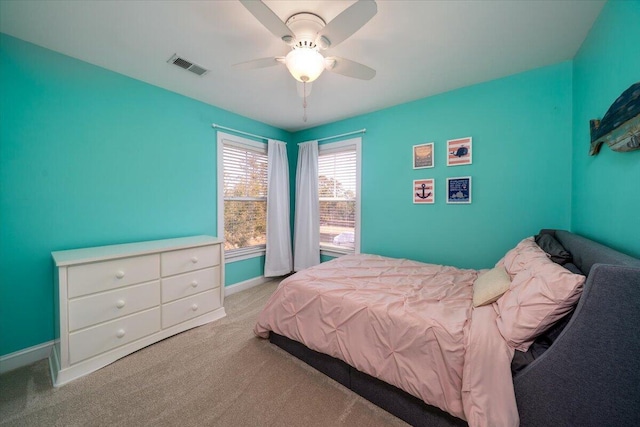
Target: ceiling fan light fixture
305 64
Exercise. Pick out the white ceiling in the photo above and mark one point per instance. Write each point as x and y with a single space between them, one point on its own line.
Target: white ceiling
419 48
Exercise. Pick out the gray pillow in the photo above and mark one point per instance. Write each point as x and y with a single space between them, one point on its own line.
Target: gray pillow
551 246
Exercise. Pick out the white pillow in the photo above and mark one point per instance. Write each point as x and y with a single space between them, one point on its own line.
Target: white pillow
490 285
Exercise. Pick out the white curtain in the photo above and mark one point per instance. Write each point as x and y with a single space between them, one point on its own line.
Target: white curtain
306 231
278 255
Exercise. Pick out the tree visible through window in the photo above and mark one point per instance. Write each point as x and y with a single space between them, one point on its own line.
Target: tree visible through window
337 194
245 197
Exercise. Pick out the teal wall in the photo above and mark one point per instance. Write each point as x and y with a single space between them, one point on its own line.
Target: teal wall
90 157
521 128
606 190
239 271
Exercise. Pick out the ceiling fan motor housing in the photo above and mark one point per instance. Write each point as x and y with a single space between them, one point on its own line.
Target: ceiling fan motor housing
305 26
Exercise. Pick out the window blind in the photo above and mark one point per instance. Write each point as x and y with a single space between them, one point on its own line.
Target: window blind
337 194
245 197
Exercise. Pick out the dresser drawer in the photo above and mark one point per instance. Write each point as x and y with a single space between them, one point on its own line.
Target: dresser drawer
187 308
87 279
183 285
98 339
93 309
185 260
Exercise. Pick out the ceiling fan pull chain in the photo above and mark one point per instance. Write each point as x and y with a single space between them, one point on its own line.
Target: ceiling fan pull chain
304 101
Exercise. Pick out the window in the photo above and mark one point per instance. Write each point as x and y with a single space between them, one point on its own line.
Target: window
242 196
339 194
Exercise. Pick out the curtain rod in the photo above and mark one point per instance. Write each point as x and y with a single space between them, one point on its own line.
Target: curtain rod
339 136
217 126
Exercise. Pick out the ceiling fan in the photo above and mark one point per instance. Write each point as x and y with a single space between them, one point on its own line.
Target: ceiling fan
307 34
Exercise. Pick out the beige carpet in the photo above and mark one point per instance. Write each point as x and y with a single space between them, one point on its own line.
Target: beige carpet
219 374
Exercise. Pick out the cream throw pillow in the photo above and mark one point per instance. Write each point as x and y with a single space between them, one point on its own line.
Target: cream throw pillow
490 285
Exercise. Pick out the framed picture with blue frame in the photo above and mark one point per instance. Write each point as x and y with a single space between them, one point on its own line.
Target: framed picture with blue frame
459 190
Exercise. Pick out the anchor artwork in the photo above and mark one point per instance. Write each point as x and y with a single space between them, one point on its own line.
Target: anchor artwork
424 191
620 126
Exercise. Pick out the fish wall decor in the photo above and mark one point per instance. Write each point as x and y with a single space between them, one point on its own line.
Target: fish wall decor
620 126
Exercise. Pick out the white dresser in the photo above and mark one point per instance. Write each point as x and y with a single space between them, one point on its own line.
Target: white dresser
113 300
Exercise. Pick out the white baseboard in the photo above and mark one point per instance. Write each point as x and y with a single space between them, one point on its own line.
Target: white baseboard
25 357
247 284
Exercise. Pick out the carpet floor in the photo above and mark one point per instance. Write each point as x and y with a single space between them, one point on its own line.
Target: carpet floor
218 374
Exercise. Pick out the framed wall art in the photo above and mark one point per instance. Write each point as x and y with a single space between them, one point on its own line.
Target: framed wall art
423 156
459 190
459 151
424 191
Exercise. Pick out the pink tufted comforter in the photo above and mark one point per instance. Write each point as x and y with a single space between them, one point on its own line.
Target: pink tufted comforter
408 323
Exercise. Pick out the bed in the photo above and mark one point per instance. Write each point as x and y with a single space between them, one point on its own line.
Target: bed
557 346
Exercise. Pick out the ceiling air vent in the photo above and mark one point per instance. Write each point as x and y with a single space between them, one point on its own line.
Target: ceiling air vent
187 65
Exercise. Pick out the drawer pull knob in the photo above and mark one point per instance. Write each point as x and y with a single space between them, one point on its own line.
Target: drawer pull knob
194 307
120 274
120 333
194 259
120 303
194 283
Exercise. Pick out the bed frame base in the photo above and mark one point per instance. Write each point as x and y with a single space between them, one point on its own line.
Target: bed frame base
393 400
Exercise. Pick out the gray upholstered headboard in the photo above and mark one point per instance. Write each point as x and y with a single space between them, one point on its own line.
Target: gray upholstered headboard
589 376
586 252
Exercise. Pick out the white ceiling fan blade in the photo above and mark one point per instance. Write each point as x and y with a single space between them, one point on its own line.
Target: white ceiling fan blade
259 63
350 68
268 18
347 23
